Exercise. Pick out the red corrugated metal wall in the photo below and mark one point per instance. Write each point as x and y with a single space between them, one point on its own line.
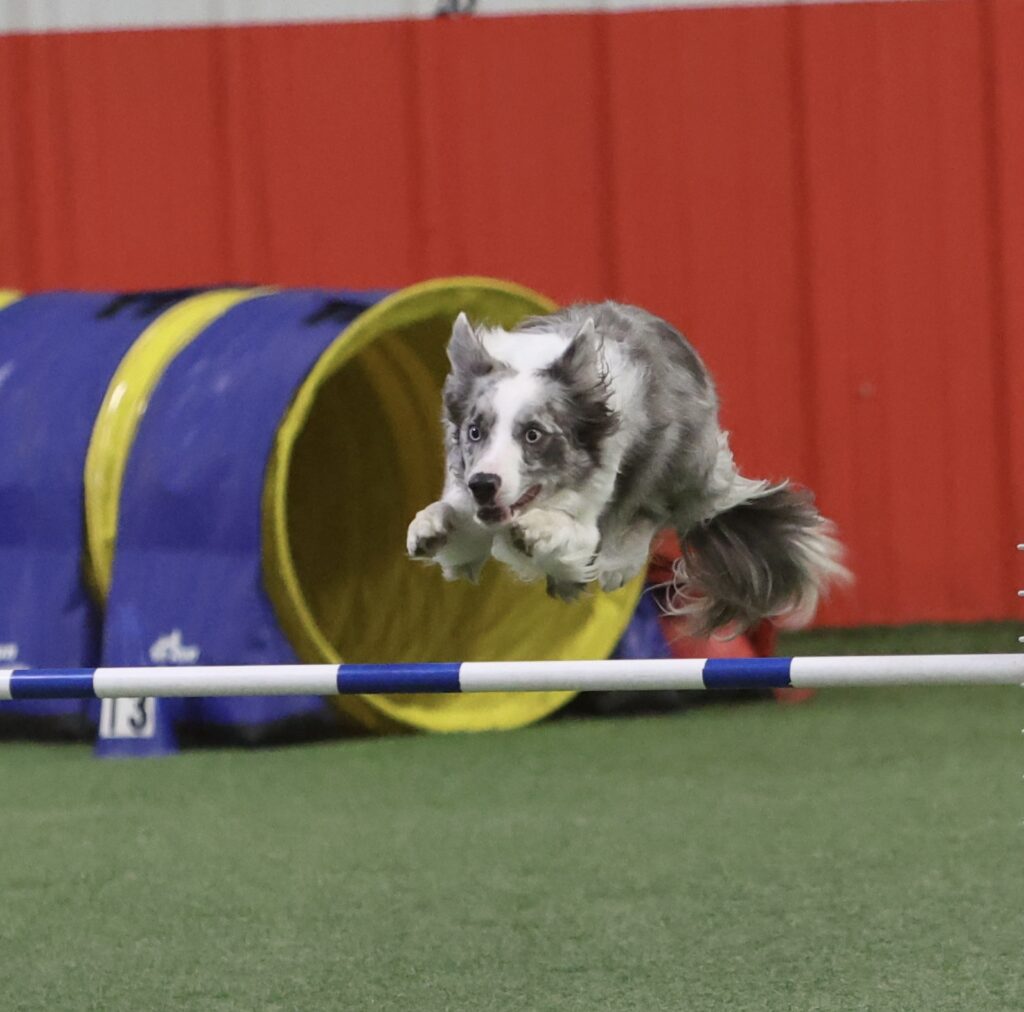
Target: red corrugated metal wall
828 199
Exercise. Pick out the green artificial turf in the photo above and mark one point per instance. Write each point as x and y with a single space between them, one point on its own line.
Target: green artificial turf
862 851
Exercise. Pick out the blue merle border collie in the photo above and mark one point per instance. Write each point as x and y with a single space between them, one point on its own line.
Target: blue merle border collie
573 439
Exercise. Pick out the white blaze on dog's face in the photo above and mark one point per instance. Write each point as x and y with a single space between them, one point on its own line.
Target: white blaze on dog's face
525 416
504 423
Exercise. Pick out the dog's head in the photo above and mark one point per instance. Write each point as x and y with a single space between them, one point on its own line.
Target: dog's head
520 431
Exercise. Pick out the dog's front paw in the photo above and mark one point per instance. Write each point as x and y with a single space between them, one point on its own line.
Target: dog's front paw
559 546
543 534
428 533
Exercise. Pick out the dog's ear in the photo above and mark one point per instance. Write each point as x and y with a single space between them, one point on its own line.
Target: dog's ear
466 351
581 366
583 372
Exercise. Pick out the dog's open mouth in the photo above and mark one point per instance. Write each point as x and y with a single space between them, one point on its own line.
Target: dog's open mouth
526 498
505 514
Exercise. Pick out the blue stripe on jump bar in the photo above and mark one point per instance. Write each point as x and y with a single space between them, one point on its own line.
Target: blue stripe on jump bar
374 678
52 683
747 673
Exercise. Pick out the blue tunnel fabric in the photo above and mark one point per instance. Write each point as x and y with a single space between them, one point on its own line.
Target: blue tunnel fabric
644 637
187 581
58 352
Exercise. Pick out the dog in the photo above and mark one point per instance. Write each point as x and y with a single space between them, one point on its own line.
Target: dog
572 440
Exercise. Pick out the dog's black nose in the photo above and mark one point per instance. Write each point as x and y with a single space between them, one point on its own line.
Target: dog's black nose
484 488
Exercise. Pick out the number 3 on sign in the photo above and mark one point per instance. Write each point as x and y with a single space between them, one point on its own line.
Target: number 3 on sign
128 718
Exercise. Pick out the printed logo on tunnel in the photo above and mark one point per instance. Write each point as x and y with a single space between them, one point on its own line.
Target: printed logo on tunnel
170 649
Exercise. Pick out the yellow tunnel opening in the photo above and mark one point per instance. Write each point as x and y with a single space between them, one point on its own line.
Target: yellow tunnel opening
357 454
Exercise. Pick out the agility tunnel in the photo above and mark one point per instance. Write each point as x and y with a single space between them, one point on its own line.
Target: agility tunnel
58 352
249 483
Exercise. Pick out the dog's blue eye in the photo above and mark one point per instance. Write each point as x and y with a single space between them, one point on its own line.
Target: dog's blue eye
532 434
474 433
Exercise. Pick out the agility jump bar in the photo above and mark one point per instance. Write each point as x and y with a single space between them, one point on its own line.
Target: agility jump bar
512 676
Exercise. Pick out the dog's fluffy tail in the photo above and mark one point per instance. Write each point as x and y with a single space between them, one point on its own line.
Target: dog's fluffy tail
772 555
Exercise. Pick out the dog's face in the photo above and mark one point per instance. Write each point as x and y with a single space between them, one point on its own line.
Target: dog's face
518 435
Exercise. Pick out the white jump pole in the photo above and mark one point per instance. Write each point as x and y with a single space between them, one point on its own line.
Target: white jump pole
513 676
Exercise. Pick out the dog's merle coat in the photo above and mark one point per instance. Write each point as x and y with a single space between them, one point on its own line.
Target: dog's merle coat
573 439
